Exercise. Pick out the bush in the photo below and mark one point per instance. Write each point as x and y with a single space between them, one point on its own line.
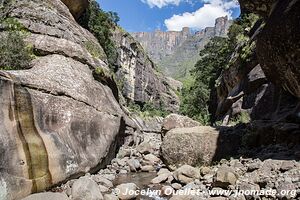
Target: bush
14 53
148 110
241 118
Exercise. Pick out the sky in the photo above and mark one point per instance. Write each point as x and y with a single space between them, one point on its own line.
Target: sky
169 15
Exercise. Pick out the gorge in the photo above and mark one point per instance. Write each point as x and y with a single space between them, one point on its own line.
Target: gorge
78 123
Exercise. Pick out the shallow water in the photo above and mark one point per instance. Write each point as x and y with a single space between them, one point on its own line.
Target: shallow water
143 181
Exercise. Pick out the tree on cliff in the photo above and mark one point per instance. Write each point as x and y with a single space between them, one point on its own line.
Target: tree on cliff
195 95
101 24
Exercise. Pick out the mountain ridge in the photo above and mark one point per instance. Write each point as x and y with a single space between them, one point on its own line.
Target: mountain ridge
180 46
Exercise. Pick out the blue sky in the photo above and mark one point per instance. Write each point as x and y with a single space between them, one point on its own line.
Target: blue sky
149 15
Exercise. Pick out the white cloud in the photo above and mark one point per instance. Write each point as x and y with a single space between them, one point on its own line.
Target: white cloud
161 3
203 17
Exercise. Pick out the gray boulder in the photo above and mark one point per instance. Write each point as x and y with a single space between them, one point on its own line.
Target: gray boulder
224 177
123 191
47 196
56 119
186 174
177 121
86 189
198 145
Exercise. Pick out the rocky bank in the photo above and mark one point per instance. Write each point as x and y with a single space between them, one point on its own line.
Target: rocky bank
140 167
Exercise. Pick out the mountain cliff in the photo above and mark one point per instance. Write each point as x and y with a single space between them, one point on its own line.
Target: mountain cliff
139 80
175 52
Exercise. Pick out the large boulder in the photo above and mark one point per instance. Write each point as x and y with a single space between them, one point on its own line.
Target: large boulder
53 127
177 121
126 191
86 189
198 145
56 120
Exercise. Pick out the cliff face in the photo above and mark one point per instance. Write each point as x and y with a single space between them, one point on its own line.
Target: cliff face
177 52
139 80
56 119
267 87
160 44
61 117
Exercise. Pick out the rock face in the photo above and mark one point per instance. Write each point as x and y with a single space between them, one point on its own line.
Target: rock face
177 51
278 51
261 7
76 7
267 87
56 120
198 145
159 44
139 79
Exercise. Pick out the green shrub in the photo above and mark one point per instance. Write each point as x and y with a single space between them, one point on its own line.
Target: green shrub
14 54
241 118
93 49
148 110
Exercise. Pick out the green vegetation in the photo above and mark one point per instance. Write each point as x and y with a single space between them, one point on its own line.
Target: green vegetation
238 36
94 49
101 24
243 118
148 110
14 53
215 57
195 94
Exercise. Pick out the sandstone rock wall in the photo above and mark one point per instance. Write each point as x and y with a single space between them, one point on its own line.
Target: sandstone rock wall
56 120
138 77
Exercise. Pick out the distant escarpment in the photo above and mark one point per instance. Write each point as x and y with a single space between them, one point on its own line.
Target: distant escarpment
266 87
176 52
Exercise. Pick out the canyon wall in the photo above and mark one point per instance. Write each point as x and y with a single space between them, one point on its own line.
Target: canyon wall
266 87
56 119
139 79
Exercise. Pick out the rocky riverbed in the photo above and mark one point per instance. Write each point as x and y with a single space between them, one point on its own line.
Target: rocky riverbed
138 172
